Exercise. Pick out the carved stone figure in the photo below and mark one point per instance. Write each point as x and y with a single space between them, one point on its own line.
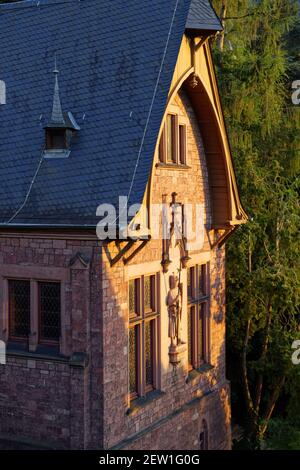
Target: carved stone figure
174 303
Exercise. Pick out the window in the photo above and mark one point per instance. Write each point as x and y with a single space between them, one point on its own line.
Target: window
172 146
19 309
203 436
171 129
143 335
182 144
24 311
56 139
133 365
134 286
49 312
198 313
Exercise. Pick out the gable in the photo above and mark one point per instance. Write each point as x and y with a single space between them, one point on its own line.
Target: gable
195 74
116 65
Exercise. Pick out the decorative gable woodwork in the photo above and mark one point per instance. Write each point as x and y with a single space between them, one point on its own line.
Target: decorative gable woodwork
195 73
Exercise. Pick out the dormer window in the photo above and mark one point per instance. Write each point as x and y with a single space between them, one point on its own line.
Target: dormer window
60 129
56 139
59 137
172 146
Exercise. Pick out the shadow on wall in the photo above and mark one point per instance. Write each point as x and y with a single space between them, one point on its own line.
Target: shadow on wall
174 418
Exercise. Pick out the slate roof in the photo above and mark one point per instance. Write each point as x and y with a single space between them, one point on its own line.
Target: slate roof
202 17
116 61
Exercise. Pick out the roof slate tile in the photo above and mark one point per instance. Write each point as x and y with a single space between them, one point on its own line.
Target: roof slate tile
114 81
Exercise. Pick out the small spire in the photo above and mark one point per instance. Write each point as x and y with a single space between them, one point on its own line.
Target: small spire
57 114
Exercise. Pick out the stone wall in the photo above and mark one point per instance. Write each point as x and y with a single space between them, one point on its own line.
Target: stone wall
47 398
79 399
177 390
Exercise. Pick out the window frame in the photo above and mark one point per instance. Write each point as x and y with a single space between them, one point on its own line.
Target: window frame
182 144
12 337
34 314
34 274
179 146
50 132
40 340
140 321
198 309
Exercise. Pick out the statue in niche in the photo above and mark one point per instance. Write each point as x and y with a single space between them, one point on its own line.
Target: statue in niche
174 303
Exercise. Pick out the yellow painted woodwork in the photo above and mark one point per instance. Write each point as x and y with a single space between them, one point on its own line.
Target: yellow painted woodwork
195 59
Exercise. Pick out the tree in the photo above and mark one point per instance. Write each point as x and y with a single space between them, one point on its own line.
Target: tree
253 66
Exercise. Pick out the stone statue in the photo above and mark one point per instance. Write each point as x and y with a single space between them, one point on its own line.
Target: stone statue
174 303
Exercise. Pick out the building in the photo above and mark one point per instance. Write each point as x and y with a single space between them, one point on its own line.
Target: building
118 343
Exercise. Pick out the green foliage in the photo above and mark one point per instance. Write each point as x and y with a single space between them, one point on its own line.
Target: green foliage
282 435
254 69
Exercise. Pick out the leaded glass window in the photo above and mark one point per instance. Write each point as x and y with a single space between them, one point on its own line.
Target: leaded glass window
149 297
201 340
190 282
19 308
134 297
133 384
49 307
201 280
198 309
143 335
190 337
149 353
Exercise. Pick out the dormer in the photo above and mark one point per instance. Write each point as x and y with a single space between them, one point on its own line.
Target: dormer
61 128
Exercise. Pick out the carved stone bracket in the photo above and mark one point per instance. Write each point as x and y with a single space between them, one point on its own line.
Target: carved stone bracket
176 353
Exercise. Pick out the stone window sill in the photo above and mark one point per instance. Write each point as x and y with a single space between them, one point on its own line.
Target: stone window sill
76 360
172 166
51 356
141 402
195 373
